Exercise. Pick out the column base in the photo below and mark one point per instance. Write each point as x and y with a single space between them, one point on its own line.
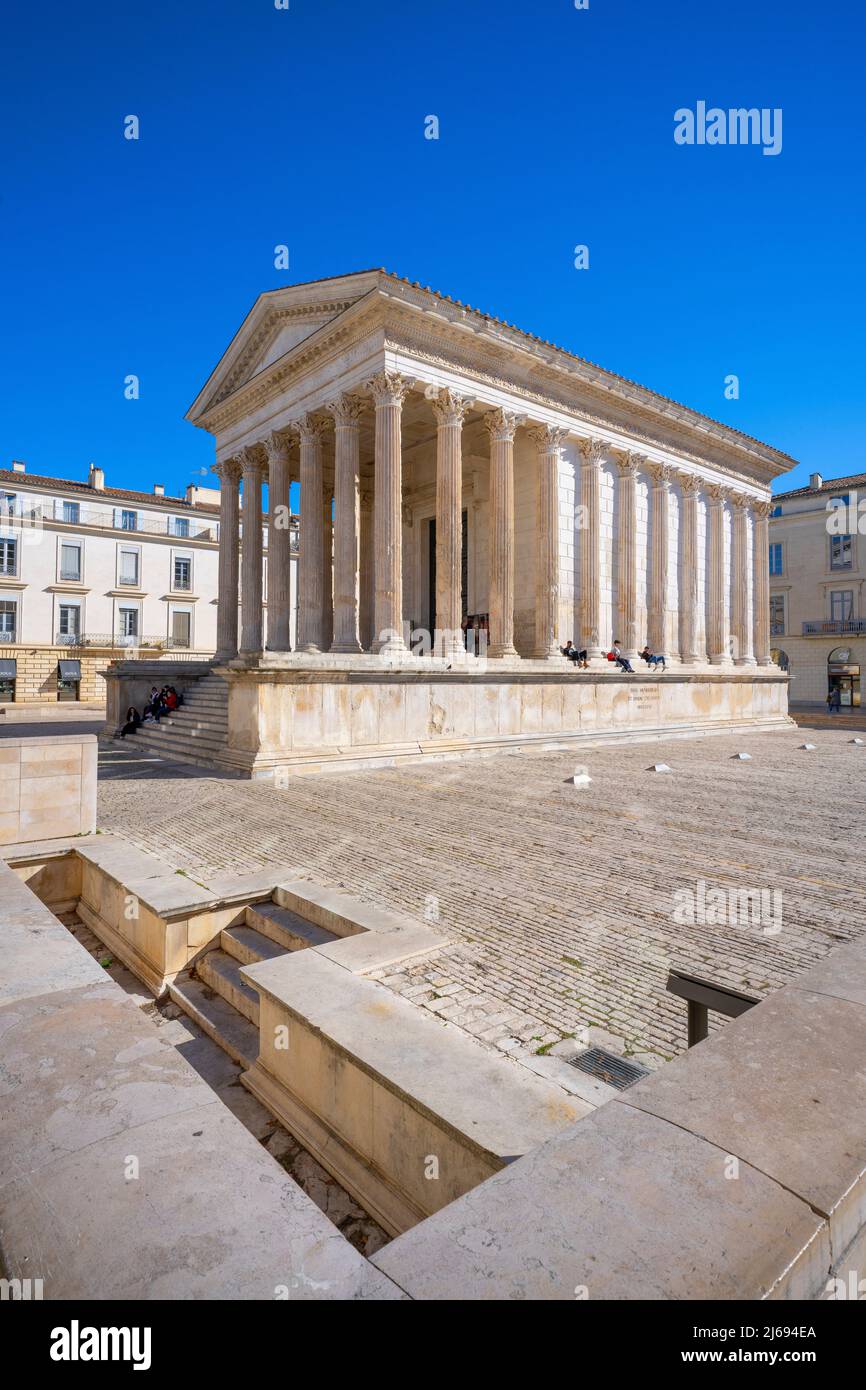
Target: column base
722 659
347 648
226 654
745 661
500 650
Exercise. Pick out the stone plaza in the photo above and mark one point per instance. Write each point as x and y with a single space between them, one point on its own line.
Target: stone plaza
558 903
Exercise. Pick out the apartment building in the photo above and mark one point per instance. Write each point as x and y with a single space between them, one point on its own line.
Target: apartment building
818 587
91 573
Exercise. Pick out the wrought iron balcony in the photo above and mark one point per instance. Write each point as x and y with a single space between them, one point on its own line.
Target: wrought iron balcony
118 640
835 627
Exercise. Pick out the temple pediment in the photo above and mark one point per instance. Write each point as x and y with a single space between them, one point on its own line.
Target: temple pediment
278 321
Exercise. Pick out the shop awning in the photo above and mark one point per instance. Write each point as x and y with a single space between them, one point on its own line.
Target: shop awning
8 669
69 670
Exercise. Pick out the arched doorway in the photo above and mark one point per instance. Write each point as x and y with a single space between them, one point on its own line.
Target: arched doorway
843 675
780 659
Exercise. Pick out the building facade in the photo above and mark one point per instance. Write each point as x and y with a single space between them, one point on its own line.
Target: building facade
455 471
89 573
817 563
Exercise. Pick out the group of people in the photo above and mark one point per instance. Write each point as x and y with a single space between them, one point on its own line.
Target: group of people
579 657
161 702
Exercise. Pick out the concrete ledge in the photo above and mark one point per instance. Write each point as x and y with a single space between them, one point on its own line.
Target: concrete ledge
737 1171
379 1090
86 1090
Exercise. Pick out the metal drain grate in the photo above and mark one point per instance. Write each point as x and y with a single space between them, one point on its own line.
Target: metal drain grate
607 1067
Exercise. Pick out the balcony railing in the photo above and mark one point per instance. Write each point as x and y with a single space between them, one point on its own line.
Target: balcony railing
118 640
835 627
104 521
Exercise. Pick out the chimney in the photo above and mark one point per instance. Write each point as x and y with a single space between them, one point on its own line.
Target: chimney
18 466
96 478
158 490
815 480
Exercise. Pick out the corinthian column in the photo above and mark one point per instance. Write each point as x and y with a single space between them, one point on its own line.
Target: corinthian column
548 442
717 645
688 581
251 583
741 626
346 411
501 425
310 559
229 473
449 409
279 544
389 390
626 555
761 579
660 525
592 453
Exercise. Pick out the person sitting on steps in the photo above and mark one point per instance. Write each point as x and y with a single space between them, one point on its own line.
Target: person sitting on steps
622 661
651 659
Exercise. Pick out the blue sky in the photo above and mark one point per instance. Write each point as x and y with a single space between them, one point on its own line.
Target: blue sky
306 127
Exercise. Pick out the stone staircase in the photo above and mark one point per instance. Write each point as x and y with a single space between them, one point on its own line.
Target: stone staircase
195 733
213 993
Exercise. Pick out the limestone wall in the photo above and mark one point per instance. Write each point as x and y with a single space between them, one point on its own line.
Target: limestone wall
48 786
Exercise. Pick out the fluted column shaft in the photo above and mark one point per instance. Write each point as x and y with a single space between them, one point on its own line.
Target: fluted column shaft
389 390
688 580
327 568
592 452
741 625
626 556
660 524
449 409
761 580
717 645
311 538
279 545
347 524
366 580
548 442
501 425
229 557
251 558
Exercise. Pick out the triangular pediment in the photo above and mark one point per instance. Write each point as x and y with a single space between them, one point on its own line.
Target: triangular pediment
278 321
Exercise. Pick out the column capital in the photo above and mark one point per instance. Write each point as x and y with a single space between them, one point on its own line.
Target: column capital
739 501
760 509
629 463
717 494
594 450
309 427
389 388
502 424
690 483
661 473
548 439
276 446
346 410
251 462
449 406
228 470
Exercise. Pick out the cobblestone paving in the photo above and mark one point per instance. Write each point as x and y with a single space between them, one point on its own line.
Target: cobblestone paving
559 902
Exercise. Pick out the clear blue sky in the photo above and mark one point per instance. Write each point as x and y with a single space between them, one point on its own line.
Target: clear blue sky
306 127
